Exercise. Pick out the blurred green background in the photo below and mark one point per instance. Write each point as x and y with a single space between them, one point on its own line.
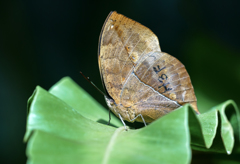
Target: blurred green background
43 41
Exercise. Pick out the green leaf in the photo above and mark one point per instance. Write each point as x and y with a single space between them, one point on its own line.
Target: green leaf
68 91
63 127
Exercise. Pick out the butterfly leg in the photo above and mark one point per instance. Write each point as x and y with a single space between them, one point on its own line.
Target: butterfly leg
142 119
123 122
109 117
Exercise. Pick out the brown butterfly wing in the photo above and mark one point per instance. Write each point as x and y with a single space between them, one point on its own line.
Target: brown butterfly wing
143 99
121 45
158 85
136 74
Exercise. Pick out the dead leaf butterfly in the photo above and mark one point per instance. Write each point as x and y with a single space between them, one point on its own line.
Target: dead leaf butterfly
142 82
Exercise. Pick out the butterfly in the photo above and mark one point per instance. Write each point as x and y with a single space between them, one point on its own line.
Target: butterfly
142 82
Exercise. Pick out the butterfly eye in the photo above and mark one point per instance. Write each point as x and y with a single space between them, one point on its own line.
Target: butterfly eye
111 102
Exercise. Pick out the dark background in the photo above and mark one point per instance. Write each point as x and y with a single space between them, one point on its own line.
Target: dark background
42 41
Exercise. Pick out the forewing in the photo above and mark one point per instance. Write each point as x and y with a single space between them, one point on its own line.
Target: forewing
122 44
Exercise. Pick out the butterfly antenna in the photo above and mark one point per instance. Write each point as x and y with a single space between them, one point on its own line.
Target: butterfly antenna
88 79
